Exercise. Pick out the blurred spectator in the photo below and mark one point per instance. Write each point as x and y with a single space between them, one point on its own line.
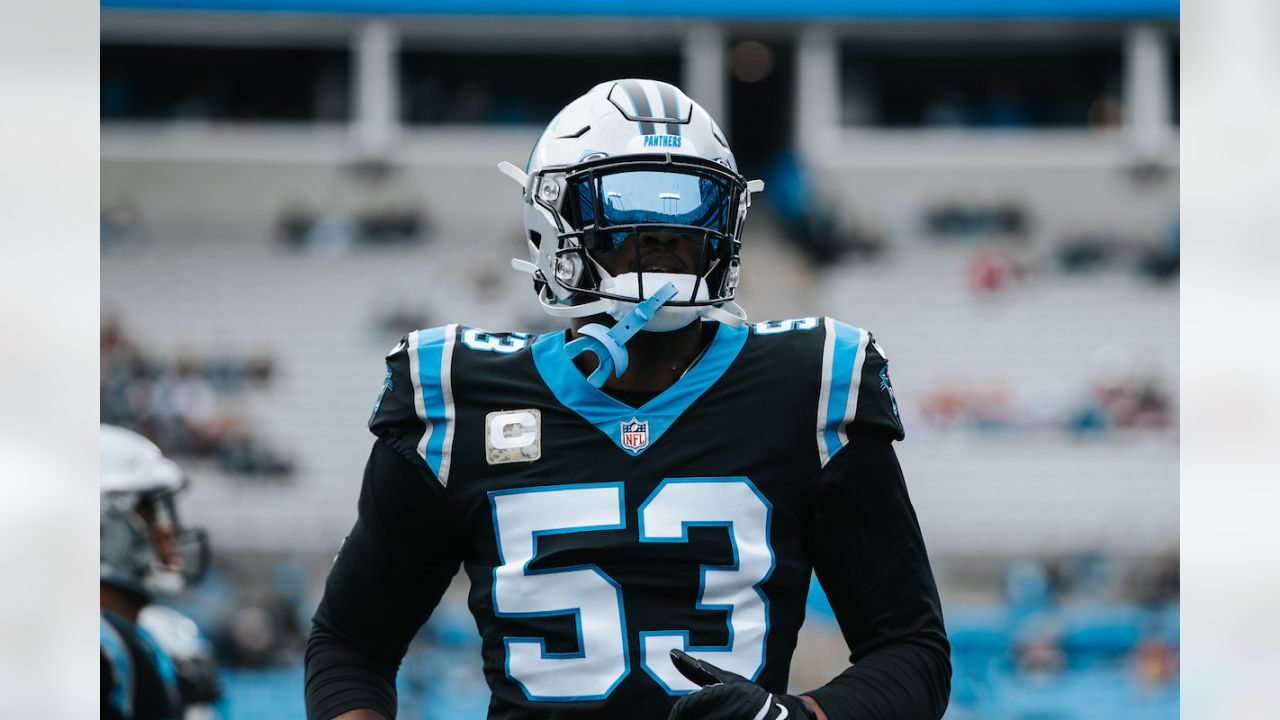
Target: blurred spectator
1027 587
1100 250
1057 635
332 232
1106 112
1039 652
1087 252
1155 662
1162 261
1139 405
121 228
179 404
993 269
964 405
1144 405
1158 583
965 220
337 231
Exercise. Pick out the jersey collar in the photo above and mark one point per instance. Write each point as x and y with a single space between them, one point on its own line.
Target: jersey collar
646 424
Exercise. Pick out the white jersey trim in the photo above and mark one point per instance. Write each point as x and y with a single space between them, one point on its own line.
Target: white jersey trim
446 388
841 379
430 369
824 393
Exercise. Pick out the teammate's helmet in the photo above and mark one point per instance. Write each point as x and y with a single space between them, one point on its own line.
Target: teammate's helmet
632 157
137 497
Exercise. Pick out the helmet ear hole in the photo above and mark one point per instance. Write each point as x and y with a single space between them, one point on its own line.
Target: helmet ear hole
535 237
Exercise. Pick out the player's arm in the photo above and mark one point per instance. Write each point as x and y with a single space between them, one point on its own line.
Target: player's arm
392 569
395 564
870 557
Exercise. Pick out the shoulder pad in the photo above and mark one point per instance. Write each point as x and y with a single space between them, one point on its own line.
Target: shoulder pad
414 412
856 393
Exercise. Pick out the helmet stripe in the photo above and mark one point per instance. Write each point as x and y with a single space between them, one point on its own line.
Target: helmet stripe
670 107
641 104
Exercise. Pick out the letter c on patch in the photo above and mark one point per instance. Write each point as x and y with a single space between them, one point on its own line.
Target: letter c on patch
502 437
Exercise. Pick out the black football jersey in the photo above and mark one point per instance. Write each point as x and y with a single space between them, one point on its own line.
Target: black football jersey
138 680
599 536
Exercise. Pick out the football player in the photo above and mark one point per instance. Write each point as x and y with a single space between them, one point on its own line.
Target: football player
144 552
639 502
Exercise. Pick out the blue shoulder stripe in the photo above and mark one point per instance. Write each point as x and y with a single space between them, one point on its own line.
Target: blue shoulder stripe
843 352
121 666
430 364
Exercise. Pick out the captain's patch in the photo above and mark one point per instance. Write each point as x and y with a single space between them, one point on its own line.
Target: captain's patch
512 436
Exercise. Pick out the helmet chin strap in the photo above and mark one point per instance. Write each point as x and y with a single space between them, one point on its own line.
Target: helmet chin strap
609 344
731 314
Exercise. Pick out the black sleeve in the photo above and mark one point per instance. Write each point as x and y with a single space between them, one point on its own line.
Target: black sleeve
877 405
871 560
387 578
395 417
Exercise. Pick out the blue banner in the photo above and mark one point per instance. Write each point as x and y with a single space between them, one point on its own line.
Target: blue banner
726 9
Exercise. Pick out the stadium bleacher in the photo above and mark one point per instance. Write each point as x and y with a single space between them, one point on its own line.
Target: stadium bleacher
228 285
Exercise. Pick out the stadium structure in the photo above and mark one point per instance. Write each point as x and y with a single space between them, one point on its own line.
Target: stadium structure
991 186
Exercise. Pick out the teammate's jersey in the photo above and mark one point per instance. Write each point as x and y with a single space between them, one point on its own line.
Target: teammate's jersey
138 680
600 536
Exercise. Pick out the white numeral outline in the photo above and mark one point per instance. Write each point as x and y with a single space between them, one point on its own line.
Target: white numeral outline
479 340
495 501
744 512
662 671
777 327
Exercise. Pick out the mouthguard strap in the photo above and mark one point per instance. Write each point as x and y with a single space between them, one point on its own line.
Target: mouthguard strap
609 344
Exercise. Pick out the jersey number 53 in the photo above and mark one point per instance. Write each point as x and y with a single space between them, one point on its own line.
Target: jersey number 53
596 601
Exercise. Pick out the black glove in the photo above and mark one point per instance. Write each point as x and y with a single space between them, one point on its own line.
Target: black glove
728 696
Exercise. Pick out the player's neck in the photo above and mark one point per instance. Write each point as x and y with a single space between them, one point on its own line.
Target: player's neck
654 360
119 603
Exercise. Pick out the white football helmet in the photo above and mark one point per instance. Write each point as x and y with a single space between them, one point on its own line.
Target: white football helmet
137 493
632 157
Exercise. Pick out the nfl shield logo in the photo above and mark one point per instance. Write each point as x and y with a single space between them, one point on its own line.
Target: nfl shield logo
635 435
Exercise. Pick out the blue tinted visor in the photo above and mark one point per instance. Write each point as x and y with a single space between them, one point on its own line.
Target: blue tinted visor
650 197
